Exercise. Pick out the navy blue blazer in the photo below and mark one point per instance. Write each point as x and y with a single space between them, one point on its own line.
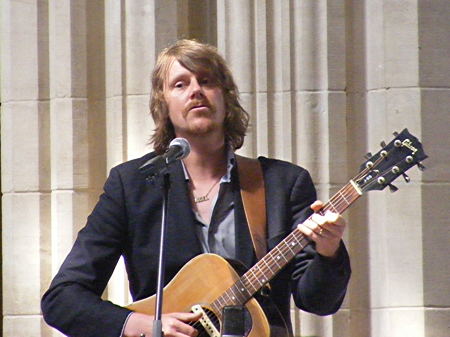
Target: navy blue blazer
126 222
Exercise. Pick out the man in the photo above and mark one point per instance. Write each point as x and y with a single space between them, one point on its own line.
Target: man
194 97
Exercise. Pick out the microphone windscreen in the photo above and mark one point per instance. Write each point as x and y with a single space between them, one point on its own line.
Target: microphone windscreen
183 144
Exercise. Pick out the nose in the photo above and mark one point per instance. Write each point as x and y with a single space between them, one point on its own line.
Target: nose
196 89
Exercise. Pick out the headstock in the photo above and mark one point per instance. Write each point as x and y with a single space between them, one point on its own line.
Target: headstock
393 160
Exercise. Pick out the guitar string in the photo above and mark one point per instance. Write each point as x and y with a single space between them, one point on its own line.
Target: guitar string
333 203
260 268
268 263
338 203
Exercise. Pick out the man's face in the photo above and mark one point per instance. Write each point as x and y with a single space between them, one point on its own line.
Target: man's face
195 102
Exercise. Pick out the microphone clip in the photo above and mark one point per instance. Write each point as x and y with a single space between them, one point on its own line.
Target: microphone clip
179 148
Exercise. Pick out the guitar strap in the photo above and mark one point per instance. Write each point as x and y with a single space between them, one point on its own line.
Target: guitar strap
254 200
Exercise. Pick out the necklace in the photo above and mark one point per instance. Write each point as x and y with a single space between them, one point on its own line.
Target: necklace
205 197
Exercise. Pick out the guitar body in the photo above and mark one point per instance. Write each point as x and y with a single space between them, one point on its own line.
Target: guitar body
202 280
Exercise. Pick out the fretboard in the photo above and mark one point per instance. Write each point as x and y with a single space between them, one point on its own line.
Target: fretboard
266 268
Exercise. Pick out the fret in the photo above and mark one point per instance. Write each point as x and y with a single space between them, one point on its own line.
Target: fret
298 240
290 245
239 292
251 273
228 297
343 197
276 259
218 304
268 266
258 274
333 207
265 269
282 255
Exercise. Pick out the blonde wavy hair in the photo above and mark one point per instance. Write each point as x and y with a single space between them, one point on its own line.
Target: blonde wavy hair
197 58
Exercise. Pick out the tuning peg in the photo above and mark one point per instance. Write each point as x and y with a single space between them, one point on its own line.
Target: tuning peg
393 188
421 167
406 177
368 155
395 133
383 144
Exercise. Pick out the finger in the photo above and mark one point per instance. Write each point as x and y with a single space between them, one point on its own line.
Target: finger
317 205
176 324
333 224
329 219
185 330
318 224
335 220
332 217
311 224
311 230
178 328
187 316
320 220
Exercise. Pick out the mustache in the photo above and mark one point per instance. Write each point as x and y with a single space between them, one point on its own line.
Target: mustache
196 103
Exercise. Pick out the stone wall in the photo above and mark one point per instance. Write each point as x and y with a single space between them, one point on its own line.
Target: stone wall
324 82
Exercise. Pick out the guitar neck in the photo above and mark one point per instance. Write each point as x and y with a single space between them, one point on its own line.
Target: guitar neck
266 268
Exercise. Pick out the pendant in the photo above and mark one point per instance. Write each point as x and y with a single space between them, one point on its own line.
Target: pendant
201 199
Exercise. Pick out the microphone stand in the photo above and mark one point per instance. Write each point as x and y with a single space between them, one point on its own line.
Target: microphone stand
159 166
157 323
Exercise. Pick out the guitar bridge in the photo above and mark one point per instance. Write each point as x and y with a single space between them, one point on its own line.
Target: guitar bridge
205 321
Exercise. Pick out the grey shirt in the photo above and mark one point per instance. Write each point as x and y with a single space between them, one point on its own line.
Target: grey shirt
218 236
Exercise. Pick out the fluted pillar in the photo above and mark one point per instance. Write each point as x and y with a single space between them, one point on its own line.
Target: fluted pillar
398 77
135 33
25 131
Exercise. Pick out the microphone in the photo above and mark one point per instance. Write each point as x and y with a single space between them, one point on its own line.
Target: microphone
179 148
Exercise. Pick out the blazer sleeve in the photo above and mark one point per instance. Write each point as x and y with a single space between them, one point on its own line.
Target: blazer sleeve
73 303
318 283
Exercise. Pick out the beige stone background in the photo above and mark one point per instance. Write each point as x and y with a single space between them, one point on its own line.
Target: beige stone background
324 81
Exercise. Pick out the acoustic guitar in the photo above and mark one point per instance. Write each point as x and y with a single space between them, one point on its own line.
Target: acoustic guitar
195 290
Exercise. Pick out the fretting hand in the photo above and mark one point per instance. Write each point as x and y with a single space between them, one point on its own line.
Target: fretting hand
325 230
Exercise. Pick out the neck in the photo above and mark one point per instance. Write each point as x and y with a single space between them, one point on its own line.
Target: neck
207 160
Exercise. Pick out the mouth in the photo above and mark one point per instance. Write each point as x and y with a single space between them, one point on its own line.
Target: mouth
199 106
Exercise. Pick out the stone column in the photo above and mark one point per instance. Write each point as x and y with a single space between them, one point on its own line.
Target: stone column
398 77
25 165
320 130
434 80
136 31
25 131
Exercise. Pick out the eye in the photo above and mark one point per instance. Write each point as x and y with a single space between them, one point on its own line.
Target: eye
179 84
205 80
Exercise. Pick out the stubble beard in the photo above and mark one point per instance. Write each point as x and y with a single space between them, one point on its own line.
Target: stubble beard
202 122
